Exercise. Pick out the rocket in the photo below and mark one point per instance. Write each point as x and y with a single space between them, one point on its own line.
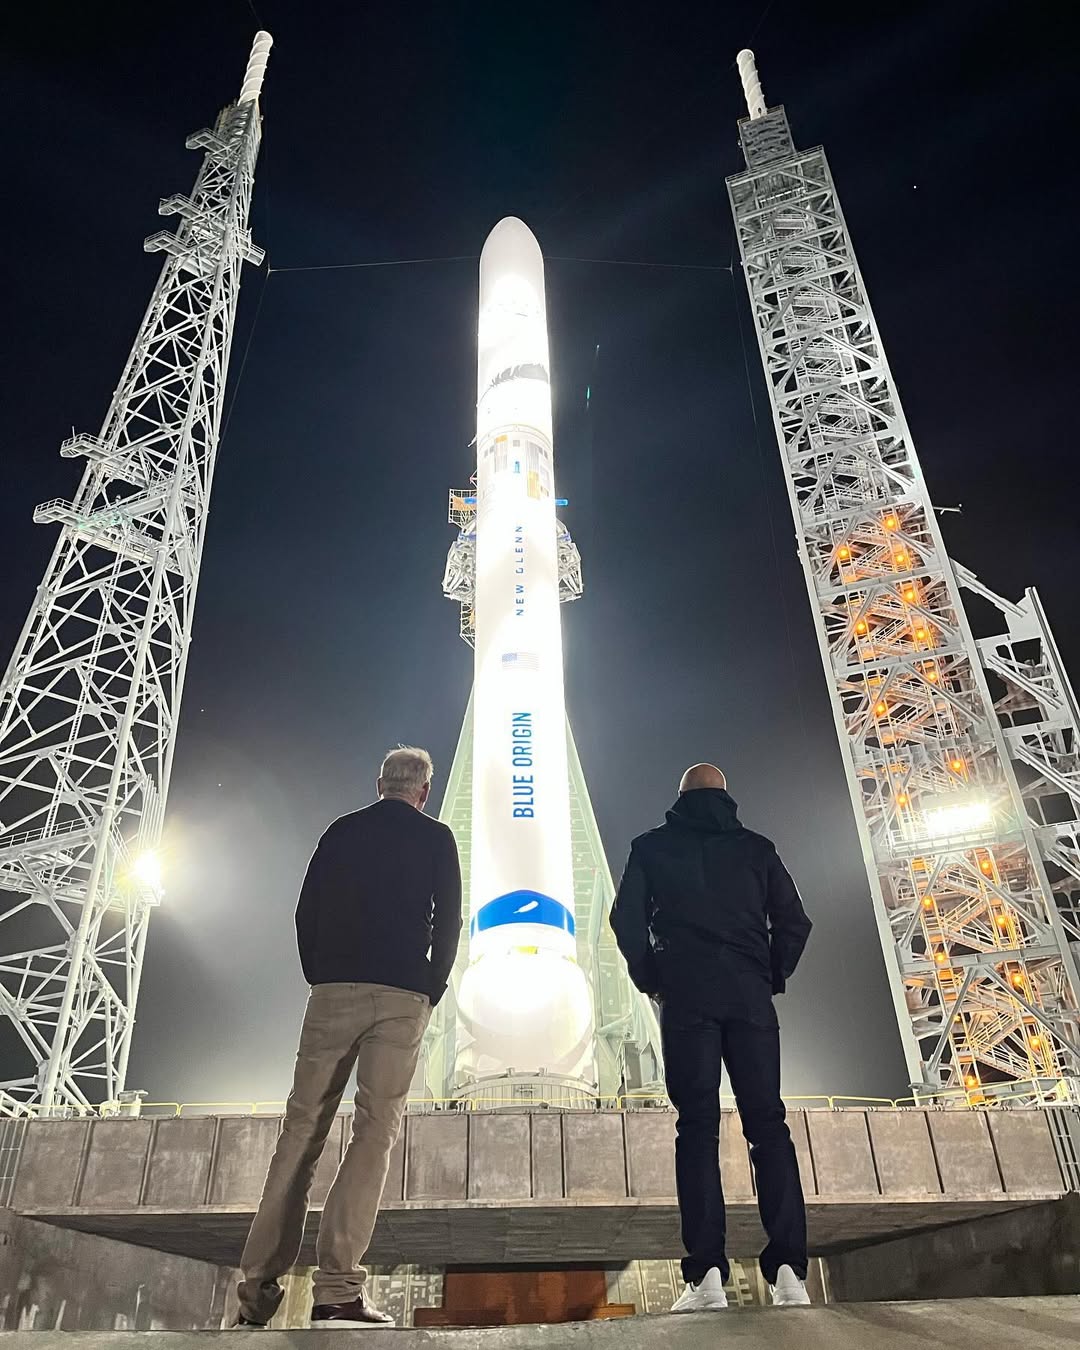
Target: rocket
524 1003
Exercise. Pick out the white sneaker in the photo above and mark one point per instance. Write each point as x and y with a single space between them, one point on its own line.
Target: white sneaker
706 1296
788 1291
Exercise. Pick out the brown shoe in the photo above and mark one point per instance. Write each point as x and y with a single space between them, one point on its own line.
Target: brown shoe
358 1313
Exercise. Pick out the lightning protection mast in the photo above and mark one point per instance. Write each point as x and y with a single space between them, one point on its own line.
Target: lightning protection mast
89 703
961 755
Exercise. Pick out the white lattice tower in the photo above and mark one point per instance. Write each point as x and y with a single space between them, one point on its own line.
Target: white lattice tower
961 756
90 700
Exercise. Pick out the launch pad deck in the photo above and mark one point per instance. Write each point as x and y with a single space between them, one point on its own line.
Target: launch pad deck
536 1187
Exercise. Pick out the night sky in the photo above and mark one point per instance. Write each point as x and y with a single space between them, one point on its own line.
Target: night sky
402 131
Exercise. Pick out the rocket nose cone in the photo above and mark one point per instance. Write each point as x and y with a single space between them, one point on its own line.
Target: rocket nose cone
512 326
511 247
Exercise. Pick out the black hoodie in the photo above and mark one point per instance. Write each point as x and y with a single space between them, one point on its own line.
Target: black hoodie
707 915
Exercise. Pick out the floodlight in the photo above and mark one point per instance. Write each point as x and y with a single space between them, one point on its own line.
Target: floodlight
147 869
961 817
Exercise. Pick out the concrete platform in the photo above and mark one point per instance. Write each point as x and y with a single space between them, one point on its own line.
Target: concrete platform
518 1187
972 1324
528 1233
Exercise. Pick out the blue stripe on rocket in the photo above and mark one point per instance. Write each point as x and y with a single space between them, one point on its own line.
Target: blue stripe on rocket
522 907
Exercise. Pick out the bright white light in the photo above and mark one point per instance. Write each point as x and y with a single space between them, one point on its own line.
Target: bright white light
963 817
147 869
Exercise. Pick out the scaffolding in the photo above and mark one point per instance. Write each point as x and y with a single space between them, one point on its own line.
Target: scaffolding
961 754
90 699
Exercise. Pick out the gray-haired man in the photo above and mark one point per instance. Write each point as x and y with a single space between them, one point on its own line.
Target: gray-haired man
382 888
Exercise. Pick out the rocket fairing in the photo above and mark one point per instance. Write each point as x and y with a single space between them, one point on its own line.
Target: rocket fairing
524 1002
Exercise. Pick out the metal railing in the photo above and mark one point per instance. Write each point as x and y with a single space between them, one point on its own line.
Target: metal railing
12 1134
41 834
634 1101
1065 1129
950 1099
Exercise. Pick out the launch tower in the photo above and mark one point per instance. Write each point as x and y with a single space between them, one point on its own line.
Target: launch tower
961 754
90 701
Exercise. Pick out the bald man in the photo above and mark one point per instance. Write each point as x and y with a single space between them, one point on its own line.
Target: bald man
712 926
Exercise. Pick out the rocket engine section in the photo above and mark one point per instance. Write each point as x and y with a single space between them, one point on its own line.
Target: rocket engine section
525 1007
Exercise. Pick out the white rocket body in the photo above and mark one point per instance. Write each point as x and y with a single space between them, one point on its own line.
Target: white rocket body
524 1002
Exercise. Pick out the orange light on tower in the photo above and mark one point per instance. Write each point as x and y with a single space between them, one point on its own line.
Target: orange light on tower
881 708
909 595
931 673
957 765
860 627
1035 1042
941 958
902 799
921 634
891 523
971 1081
843 553
986 866
928 902
1003 921
1017 980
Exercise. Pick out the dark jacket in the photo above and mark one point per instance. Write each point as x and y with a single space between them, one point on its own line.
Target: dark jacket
382 887
707 915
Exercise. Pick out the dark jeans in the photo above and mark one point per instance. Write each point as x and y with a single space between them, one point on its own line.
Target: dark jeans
695 1049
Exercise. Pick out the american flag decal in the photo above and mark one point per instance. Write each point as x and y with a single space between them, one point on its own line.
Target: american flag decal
521 661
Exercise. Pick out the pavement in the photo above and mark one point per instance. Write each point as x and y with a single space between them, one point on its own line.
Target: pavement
957 1324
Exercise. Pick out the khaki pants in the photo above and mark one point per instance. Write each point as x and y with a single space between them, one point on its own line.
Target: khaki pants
378 1029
